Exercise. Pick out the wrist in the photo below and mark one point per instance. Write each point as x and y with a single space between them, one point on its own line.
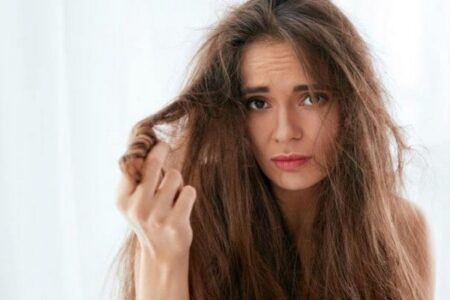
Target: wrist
164 270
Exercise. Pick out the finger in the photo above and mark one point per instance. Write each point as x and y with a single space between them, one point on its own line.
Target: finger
125 188
152 168
182 209
166 195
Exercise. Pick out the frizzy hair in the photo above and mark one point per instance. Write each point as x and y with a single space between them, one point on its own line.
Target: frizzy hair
241 246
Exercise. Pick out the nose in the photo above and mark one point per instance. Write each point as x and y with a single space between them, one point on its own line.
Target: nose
286 126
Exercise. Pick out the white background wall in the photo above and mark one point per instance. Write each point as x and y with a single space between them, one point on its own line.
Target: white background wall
76 75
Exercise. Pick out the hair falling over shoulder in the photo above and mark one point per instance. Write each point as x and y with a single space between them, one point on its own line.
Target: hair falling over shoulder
241 247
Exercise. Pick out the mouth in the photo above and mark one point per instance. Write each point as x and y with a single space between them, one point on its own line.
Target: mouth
290 165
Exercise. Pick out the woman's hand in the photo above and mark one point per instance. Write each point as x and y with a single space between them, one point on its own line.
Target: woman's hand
158 209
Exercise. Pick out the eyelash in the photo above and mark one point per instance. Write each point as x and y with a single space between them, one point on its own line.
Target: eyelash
322 96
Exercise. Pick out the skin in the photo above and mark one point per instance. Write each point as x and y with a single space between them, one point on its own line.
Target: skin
281 120
158 210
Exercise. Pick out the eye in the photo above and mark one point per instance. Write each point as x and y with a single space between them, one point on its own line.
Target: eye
258 103
317 98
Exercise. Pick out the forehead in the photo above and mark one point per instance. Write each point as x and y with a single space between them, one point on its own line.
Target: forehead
267 58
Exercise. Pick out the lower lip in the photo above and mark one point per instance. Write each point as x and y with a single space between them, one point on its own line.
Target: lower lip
290 165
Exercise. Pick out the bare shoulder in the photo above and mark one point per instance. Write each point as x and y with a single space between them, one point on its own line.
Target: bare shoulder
415 233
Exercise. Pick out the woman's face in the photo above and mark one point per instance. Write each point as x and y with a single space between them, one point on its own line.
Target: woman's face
283 118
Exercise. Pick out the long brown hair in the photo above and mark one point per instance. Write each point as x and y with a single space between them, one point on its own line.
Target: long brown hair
241 247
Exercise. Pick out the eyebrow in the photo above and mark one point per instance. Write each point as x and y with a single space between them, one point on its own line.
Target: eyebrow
265 89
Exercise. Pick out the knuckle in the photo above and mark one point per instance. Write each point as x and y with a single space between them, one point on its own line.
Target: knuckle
189 191
157 223
121 204
173 230
175 176
153 160
136 214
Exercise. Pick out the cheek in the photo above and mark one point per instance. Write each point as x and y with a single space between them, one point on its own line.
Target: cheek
327 138
256 129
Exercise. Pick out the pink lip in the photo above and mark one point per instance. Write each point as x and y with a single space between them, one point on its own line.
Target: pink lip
290 162
290 165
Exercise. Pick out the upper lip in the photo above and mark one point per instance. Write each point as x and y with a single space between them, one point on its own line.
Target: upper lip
290 156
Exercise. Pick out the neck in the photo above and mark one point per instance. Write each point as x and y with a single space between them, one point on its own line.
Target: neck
299 209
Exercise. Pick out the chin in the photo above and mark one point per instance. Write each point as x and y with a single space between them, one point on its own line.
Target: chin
295 181
294 185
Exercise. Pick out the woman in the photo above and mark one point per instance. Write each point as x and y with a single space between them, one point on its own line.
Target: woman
282 139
